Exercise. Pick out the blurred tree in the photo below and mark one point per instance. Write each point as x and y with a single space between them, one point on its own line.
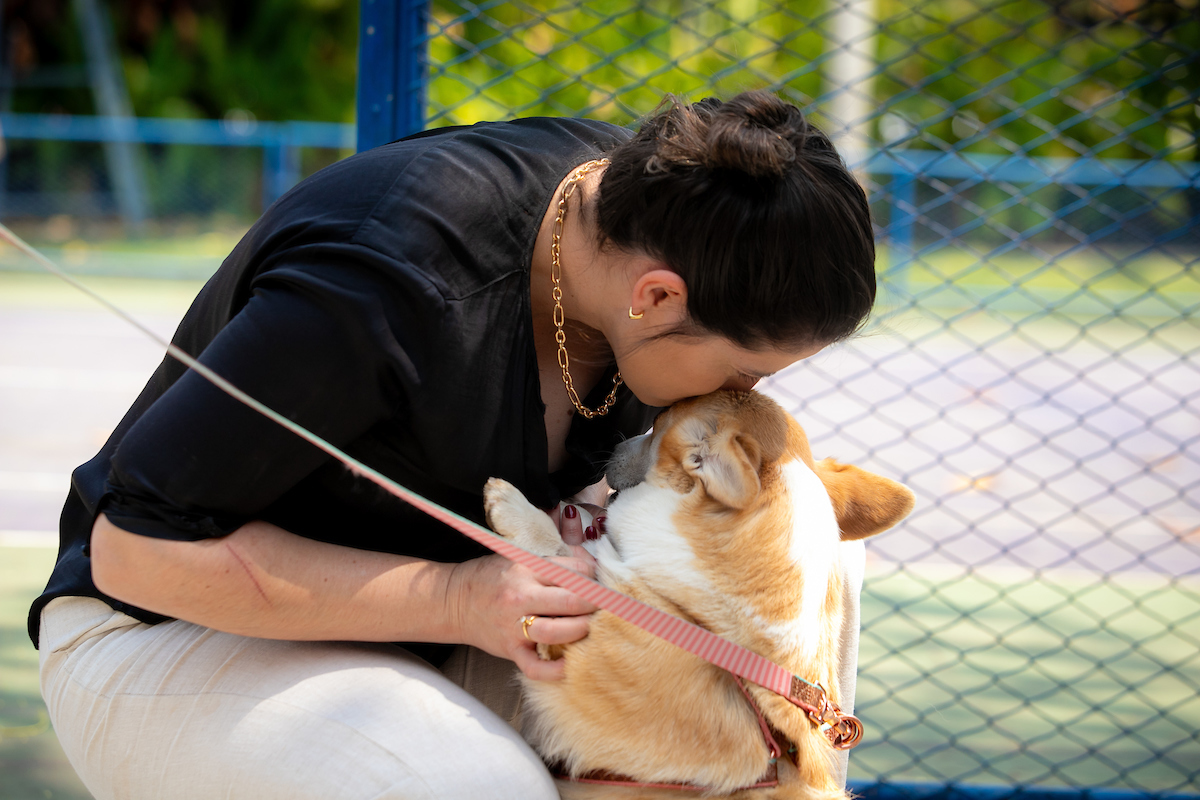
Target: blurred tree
273 59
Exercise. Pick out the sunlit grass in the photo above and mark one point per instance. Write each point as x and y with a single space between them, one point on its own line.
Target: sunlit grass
32 765
1069 679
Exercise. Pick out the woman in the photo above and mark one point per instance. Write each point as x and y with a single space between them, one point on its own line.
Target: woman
508 299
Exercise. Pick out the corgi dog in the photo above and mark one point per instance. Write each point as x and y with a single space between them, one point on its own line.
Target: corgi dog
722 518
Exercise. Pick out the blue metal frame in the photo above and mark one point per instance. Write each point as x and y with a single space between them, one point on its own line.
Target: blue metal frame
866 790
391 70
281 141
281 168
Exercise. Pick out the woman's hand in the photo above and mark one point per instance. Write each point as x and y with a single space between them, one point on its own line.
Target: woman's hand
489 596
570 522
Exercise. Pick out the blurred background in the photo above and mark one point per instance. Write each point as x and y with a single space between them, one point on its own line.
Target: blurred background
1030 371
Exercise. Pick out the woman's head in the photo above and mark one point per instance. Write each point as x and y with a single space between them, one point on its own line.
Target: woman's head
753 208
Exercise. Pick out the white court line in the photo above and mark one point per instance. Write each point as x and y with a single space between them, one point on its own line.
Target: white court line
28 538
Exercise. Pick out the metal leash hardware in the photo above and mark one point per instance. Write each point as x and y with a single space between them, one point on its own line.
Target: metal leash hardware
844 730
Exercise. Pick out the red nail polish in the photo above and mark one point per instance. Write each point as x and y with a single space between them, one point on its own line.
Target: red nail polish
602 524
590 533
570 512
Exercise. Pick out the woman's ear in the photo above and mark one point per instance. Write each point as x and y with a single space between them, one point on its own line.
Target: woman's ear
660 295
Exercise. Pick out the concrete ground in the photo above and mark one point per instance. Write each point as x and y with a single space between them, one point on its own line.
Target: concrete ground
68 372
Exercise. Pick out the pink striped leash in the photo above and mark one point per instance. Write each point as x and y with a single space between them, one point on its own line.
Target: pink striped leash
844 731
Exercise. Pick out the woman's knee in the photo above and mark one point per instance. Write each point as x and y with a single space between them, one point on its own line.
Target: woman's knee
238 717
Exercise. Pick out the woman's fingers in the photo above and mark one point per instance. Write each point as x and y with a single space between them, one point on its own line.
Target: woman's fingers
587 558
556 630
495 597
554 601
571 526
581 562
592 509
533 667
547 630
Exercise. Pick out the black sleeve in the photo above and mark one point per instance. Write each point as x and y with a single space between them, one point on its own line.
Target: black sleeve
316 342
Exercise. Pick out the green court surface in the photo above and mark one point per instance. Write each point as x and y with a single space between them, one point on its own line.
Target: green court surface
44 291
1063 678
32 765
956 670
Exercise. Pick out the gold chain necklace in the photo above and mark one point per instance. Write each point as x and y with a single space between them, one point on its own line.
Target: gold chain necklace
560 336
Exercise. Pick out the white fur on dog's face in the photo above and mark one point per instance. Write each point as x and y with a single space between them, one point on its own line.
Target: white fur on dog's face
643 539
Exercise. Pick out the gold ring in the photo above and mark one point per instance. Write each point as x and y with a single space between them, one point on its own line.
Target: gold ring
526 621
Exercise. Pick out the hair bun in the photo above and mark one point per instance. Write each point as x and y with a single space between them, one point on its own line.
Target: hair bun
755 134
755 210
747 134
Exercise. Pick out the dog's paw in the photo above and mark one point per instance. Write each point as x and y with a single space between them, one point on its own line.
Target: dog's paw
550 652
516 519
502 506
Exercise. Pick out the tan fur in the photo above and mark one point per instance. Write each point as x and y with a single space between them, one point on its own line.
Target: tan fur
633 704
865 504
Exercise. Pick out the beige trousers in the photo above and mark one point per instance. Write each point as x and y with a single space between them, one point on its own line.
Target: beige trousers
176 711
180 712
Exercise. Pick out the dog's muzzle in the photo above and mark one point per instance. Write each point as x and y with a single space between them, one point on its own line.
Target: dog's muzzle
629 463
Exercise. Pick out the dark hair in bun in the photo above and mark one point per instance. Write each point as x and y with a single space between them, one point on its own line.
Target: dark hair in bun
753 207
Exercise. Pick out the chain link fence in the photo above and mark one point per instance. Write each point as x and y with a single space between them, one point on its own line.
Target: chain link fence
1032 370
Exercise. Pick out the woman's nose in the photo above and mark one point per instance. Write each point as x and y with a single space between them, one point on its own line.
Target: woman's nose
741 384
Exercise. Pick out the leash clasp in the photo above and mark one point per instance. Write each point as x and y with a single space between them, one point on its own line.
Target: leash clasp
844 730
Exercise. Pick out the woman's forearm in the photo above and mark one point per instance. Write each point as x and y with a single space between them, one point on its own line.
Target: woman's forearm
263 581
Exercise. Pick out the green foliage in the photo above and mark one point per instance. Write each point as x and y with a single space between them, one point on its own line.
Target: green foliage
1019 74
614 59
277 59
1064 78
991 77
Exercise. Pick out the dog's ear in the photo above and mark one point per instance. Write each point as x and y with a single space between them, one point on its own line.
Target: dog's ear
865 503
727 463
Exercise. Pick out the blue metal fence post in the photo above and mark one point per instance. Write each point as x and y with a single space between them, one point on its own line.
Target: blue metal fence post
281 165
391 70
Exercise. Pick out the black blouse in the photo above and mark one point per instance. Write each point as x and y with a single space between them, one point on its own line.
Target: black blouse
384 304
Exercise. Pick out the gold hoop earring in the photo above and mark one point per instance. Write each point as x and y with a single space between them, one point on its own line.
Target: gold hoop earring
638 315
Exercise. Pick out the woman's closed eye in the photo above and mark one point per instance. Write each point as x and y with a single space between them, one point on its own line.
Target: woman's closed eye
741 381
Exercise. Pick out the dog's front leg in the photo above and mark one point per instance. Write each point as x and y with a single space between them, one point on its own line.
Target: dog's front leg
516 519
